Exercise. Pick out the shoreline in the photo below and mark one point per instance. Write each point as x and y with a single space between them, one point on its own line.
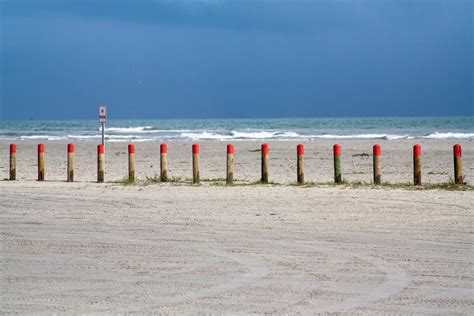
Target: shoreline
236 130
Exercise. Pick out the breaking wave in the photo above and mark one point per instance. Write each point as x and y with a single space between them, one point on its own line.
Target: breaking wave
137 134
235 135
140 129
437 135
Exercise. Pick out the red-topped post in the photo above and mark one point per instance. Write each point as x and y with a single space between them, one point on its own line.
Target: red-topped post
12 161
41 172
70 162
417 164
195 163
131 162
377 164
300 164
264 163
230 164
100 163
163 163
337 163
458 179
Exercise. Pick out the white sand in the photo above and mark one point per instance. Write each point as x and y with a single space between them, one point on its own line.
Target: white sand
397 160
84 247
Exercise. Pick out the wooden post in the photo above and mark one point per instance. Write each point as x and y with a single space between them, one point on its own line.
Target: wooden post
41 173
100 164
417 164
230 164
163 163
377 164
131 162
70 162
458 179
12 161
264 163
337 163
195 163
300 164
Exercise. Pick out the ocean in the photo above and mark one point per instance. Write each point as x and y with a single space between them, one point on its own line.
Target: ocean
244 129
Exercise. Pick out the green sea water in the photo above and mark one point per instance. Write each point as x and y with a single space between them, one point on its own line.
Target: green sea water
245 129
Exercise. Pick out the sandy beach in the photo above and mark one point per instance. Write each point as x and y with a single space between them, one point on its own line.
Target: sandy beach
177 248
397 160
266 227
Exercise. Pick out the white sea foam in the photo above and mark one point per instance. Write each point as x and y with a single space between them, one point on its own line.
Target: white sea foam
222 135
122 136
252 135
449 135
140 129
361 136
83 136
237 135
136 140
205 136
264 135
145 129
46 137
109 137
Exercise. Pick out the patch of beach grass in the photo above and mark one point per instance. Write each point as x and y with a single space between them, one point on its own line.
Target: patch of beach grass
214 182
174 179
155 179
257 182
362 155
450 185
437 172
125 181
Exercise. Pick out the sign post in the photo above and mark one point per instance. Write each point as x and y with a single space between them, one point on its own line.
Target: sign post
102 120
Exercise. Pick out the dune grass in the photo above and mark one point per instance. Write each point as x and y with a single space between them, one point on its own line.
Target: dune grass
155 180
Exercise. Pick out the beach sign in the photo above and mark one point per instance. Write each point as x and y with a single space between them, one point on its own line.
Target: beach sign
102 114
102 120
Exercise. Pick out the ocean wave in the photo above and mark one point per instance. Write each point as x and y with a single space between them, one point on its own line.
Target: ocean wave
45 137
449 135
223 135
269 135
362 136
83 136
145 129
205 136
122 137
264 135
236 135
113 138
108 137
135 140
140 129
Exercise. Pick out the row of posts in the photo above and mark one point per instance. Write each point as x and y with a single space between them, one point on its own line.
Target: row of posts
377 164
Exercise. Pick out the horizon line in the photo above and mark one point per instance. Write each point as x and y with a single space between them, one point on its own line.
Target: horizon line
239 118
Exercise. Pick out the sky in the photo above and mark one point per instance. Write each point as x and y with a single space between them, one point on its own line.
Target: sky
158 59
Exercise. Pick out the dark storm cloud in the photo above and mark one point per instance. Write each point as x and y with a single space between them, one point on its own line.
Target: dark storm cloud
188 58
